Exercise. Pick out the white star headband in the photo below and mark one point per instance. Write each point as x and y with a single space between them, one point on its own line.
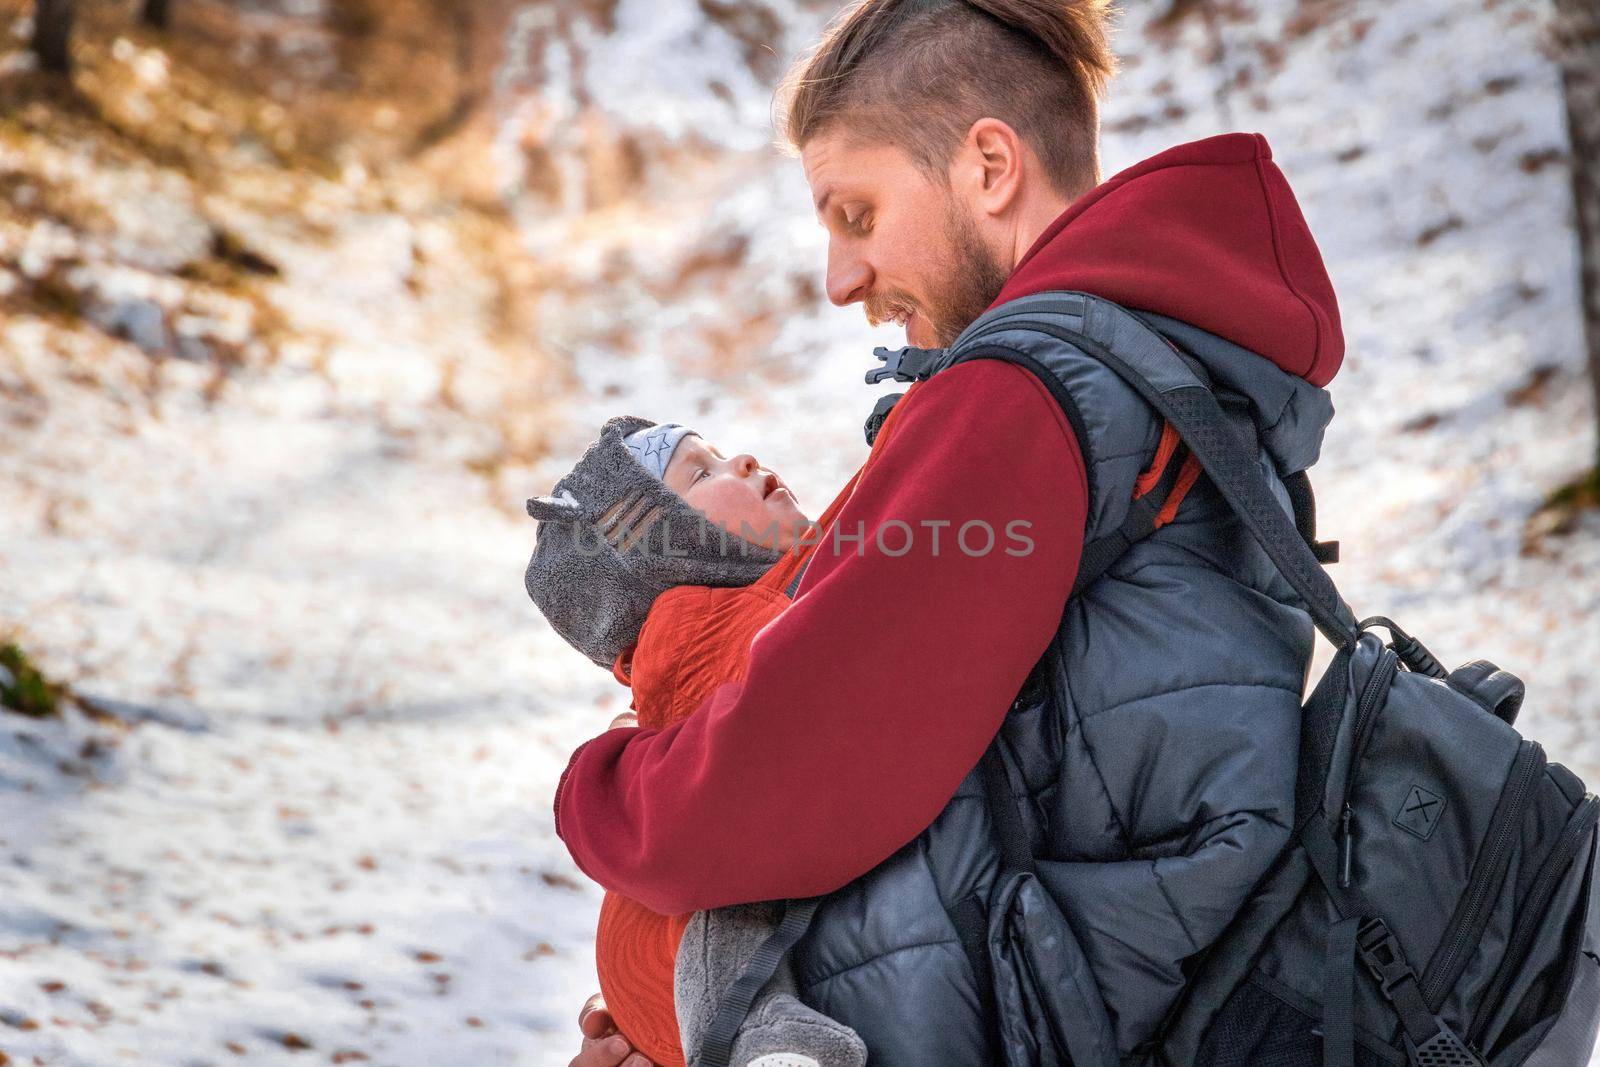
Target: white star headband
653 446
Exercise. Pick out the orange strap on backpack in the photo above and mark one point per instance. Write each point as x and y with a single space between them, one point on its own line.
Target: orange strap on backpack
1151 477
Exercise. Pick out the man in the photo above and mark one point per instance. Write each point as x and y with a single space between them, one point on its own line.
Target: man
1163 706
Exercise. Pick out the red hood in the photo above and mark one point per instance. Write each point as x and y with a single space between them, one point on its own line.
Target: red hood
1210 234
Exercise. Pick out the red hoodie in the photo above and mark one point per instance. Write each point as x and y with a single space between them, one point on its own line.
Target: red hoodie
865 704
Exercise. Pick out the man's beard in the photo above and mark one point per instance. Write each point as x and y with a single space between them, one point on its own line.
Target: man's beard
969 280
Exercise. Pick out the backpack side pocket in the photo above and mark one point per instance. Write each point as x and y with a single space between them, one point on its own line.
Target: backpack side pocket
1546 976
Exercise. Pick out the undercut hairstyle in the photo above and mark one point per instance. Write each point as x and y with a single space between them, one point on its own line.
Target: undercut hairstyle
918 73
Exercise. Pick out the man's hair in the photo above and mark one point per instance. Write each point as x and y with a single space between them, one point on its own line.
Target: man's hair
918 73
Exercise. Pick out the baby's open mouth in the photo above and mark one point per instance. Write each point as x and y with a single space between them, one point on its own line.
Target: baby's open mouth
773 486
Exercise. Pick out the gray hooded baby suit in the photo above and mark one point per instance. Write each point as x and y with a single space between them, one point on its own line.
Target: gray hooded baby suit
612 537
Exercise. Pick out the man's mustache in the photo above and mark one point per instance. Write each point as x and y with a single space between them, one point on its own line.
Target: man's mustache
885 307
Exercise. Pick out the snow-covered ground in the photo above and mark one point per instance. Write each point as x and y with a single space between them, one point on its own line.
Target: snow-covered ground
328 836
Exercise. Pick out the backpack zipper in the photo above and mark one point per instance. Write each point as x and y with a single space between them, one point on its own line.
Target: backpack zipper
1505 826
1532 908
1378 683
1377 687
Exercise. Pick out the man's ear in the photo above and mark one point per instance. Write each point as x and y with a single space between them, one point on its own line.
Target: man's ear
993 156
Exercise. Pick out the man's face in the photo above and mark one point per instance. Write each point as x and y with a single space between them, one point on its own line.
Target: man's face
898 242
735 492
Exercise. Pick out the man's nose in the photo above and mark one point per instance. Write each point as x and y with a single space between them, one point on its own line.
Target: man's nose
849 277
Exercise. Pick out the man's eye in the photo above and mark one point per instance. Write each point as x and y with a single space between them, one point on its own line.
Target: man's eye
861 223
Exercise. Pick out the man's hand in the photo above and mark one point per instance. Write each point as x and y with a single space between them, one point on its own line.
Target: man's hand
603 1046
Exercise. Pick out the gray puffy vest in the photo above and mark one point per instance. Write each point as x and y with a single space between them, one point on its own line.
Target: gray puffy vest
1151 754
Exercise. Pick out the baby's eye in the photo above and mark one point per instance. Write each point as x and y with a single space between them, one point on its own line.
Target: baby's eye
702 473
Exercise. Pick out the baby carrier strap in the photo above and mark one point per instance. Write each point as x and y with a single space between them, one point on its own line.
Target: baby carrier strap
718 1045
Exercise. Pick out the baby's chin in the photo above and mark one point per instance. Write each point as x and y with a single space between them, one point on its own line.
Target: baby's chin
788 517
780 526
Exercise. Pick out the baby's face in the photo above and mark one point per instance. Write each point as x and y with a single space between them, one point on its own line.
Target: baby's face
736 493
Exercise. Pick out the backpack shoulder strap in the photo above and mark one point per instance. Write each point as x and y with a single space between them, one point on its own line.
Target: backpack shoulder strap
1154 369
1305 517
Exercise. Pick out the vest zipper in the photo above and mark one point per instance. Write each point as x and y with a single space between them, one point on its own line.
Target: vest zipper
1532 909
1505 826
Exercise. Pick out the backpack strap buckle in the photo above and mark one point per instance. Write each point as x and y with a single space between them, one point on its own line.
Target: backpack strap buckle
1381 952
906 364
880 414
1429 1040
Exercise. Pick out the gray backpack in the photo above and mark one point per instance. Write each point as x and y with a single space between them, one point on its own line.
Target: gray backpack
1435 906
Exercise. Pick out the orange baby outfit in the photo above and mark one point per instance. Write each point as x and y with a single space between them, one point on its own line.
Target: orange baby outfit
695 639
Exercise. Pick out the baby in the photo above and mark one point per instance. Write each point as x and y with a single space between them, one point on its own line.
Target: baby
660 558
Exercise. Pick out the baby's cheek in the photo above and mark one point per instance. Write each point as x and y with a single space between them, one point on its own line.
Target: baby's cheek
720 508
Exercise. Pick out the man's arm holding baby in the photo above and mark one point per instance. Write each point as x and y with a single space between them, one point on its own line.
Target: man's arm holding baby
869 700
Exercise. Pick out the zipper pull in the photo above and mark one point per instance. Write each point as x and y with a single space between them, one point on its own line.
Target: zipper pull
1346 846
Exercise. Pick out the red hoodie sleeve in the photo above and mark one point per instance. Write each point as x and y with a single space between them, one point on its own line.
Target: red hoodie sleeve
869 700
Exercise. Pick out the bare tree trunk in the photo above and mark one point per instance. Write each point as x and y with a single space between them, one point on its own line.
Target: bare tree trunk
1578 37
157 13
467 98
52 35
